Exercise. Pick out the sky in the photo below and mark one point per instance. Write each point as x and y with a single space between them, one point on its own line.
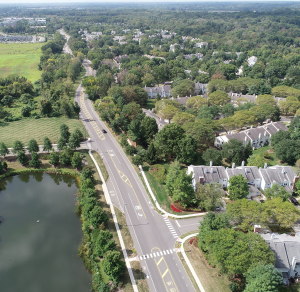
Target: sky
130 1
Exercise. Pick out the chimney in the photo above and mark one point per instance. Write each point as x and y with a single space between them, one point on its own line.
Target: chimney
243 163
265 165
233 165
265 133
251 127
257 228
296 178
210 163
201 180
273 235
294 262
283 171
259 135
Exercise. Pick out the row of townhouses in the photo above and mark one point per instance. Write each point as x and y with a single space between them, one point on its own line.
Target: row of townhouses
165 90
258 178
256 136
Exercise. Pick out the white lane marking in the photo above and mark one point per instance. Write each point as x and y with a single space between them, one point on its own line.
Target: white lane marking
177 223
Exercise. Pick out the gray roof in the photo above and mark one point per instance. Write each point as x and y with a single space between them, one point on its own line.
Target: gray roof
159 121
285 248
278 174
239 136
249 172
160 89
209 173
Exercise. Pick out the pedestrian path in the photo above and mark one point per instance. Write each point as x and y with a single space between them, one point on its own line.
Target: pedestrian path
175 235
155 254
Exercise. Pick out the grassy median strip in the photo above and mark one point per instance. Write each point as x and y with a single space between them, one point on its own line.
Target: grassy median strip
101 165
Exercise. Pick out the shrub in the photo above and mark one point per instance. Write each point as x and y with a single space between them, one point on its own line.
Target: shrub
124 142
159 172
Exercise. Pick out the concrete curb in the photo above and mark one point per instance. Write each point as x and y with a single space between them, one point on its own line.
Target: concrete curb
188 261
159 207
108 200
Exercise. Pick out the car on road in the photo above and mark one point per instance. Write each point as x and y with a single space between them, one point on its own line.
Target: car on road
294 201
104 131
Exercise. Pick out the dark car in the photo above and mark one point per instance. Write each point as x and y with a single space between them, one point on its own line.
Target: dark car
104 131
294 201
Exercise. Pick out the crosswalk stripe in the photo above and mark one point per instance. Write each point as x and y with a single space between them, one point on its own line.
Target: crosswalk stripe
164 252
151 255
141 258
171 251
168 252
154 254
161 253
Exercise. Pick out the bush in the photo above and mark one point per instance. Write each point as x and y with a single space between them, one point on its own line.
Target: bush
267 155
130 150
124 142
159 172
233 287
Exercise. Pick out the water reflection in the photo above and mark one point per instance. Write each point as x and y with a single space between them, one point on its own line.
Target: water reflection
40 256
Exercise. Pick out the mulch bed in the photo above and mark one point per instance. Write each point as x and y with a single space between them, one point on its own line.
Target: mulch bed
182 209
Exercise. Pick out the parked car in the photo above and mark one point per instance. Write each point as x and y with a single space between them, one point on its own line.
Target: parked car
104 131
294 201
218 208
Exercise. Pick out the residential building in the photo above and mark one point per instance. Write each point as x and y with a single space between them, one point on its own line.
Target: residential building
251 61
256 136
172 47
206 174
190 56
200 87
257 178
286 250
201 44
163 91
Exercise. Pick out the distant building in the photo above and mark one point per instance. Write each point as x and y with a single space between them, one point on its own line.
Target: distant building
190 56
200 87
256 136
163 91
201 44
159 121
172 47
251 61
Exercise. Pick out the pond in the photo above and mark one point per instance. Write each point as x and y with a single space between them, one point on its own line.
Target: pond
42 256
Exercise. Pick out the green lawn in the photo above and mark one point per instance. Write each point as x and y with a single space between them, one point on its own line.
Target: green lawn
150 104
20 59
271 162
26 129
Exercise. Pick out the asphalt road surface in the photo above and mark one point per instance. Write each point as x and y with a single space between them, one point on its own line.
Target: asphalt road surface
154 236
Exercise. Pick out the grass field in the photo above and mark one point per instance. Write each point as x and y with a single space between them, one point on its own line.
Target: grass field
20 59
26 129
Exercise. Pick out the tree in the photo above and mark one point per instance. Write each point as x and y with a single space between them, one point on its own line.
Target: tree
54 158
61 143
265 99
166 141
22 158
238 187
34 162
87 173
134 131
218 98
76 160
3 150
97 216
256 160
47 144
168 112
18 146
4 165
113 266
64 132
277 191
231 149
183 88
3 113
288 150
76 108
212 154
228 110
33 146
205 113
244 118
183 117
247 151
196 102
263 278
202 130
66 156
151 155
137 160
7 100
209 196
78 133
149 128
130 150
187 150
280 136
74 141
104 243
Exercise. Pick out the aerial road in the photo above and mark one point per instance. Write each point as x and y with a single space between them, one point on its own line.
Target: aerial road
154 235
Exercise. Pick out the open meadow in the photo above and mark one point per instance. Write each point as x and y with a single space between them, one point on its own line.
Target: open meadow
20 59
26 129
